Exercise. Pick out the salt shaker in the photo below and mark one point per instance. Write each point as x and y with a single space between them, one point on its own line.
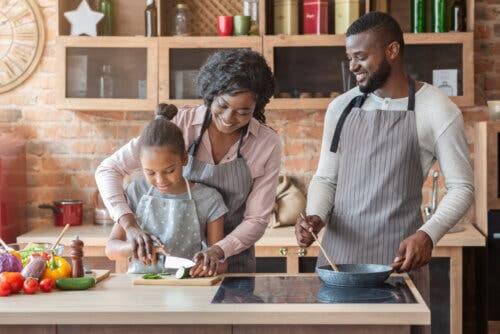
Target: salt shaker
76 258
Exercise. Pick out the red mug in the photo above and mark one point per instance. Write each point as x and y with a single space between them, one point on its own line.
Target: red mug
225 25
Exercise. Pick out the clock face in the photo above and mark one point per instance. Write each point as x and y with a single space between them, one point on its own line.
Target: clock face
21 41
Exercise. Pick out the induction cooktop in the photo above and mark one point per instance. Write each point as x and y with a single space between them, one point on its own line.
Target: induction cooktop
307 290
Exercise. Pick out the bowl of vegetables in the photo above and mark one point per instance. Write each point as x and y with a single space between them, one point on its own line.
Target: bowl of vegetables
25 251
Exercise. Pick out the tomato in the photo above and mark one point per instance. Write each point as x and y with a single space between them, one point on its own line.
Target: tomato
30 286
14 279
5 289
46 285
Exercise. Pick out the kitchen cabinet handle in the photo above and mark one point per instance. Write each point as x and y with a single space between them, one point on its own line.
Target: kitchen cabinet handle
301 252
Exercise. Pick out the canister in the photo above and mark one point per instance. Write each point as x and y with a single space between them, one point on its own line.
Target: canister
346 12
315 17
286 17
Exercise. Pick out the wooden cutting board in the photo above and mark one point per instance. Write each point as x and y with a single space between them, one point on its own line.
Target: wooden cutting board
171 280
99 274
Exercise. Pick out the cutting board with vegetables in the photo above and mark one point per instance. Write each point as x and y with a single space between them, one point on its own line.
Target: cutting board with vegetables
171 280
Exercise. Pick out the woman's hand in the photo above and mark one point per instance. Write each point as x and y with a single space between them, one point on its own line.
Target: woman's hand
142 244
207 262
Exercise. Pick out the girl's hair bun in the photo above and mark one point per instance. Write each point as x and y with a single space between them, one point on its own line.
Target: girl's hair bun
167 111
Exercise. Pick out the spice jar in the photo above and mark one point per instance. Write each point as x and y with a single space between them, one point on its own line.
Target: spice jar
181 24
346 12
286 17
315 17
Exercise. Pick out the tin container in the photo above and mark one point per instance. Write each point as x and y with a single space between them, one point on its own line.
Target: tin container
286 17
315 17
346 12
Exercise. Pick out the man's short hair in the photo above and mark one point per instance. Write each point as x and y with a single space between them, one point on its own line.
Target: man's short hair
385 25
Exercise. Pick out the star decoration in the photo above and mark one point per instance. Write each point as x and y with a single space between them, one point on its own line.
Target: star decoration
83 20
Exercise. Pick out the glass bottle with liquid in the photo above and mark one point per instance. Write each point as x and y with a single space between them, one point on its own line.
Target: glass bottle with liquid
106 83
417 16
105 26
151 19
458 16
251 8
438 16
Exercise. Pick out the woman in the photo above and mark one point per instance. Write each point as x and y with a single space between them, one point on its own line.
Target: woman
230 148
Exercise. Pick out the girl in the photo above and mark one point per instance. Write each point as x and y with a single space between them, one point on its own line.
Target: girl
179 215
230 148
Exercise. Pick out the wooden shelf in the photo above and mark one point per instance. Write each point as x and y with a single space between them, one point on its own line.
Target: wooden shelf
188 54
464 40
134 57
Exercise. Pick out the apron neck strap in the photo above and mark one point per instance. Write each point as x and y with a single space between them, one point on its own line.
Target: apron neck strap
411 94
206 122
188 187
149 191
355 102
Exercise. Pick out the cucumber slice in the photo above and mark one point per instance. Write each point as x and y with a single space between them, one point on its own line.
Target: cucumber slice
80 283
182 272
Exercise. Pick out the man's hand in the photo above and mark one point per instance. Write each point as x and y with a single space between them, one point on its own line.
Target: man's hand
208 262
414 252
303 226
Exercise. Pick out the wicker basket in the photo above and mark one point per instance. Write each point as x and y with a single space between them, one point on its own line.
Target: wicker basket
204 14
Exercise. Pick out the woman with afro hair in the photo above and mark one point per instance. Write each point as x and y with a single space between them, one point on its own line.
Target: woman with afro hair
230 148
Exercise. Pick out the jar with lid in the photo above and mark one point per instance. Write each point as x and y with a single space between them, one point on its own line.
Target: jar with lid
251 8
181 22
286 17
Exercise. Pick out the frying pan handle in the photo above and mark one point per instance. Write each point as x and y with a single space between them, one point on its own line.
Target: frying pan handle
54 209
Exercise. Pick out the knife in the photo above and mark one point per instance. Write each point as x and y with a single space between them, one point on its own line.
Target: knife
174 262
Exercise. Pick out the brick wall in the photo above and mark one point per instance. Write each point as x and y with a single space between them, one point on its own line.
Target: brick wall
65 147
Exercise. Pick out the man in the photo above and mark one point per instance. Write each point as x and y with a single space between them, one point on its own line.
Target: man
380 140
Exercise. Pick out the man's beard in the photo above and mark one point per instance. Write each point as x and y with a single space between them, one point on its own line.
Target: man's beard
377 79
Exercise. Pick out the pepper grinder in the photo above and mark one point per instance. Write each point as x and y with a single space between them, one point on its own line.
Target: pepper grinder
76 258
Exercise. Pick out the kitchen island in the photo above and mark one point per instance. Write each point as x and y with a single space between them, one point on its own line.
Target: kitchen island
117 306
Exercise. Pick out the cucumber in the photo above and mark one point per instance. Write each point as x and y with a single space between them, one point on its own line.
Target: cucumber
80 283
182 272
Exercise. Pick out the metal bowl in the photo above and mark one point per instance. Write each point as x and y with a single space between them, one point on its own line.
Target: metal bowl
355 275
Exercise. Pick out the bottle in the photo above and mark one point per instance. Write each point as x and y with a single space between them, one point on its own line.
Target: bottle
346 12
151 19
181 21
417 16
106 83
286 17
106 24
251 8
438 16
315 17
458 16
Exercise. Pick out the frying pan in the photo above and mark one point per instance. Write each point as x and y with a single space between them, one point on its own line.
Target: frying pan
355 275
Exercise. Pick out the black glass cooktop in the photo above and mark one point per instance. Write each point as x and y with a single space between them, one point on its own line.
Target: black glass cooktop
307 290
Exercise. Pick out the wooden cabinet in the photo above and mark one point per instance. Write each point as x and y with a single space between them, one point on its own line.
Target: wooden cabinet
181 59
310 70
107 73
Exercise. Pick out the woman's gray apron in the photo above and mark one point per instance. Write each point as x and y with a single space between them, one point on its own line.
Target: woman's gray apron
234 182
379 188
174 221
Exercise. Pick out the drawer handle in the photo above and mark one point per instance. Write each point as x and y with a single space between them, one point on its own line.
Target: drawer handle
301 252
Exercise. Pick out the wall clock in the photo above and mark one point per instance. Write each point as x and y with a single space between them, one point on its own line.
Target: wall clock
22 40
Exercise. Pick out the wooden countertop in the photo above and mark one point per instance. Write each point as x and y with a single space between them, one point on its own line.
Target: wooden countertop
95 235
117 301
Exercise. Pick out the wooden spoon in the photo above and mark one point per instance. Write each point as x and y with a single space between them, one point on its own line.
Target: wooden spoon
59 238
7 247
332 264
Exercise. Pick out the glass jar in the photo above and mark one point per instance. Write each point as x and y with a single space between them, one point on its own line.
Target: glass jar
286 17
181 24
251 8
106 83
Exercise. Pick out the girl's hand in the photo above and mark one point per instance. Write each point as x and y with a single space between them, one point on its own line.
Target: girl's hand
208 262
